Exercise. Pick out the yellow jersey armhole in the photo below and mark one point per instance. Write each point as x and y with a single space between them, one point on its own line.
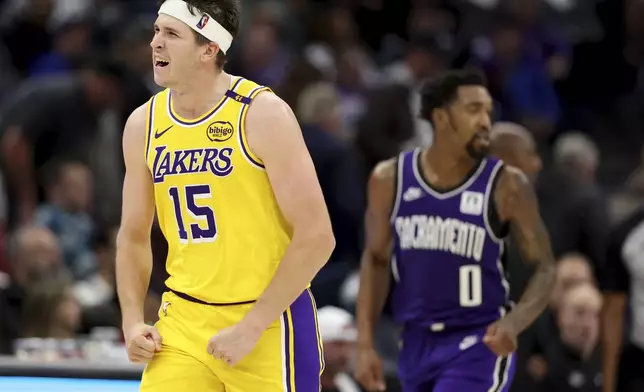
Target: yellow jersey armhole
148 127
254 159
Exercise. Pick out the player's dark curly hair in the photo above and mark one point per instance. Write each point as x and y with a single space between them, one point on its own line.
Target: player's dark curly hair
226 12
441 91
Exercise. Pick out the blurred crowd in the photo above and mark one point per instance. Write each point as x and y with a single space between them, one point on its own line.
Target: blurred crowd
71 71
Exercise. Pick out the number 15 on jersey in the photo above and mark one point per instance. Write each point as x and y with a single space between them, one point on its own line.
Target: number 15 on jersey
185 202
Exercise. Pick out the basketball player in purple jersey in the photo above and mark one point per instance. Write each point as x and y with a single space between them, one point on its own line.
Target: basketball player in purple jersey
438 217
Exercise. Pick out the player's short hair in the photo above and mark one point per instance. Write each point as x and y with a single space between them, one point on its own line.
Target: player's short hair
442 90
226 12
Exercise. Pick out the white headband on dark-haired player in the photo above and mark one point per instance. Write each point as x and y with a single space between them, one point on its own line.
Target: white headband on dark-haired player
202 23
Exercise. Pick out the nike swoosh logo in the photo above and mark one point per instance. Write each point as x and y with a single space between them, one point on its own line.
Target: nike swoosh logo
158 134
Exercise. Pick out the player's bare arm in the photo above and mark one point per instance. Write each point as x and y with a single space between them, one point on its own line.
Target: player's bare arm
133 251
275 137
374 271
612 330
517 204
374 265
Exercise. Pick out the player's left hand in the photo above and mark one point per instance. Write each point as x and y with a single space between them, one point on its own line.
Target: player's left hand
500 338
232 344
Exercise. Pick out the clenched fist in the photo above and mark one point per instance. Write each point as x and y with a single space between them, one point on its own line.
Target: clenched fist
232 344
141 342
369 370
501 338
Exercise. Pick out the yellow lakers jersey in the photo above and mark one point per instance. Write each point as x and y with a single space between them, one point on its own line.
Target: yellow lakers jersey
215 205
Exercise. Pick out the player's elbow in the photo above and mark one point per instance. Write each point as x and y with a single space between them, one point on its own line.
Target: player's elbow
319 239
375 259
325 241
128 237
329 242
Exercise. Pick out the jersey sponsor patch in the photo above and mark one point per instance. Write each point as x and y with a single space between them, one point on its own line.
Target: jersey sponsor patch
219 131
472 203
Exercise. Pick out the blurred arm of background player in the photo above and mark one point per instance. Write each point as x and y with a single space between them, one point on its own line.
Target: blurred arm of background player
275 137
374 272
133 249
26 116
614 282
517 204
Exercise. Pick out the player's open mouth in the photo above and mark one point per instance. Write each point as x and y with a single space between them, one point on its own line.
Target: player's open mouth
160 63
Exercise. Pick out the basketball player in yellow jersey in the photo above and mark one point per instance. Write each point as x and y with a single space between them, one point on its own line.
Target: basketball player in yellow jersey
224 163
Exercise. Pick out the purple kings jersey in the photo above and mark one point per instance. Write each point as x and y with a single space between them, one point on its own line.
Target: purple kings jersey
446 259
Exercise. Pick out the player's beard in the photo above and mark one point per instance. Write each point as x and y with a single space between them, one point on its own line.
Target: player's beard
473 151
470 147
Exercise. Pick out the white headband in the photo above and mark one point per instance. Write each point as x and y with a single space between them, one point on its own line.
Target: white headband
204 24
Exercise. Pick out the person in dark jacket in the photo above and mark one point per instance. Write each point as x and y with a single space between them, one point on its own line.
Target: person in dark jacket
339 175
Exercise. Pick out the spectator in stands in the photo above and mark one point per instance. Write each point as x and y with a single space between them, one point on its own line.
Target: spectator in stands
573 205
333 31
622 283
391 122
514 145
352 85
264 58
339 176
51 310
98 289
543 40
519 83
52 118
35 256
338 334
574 360
572 270
133 49
26 36
300 74
71 44
66 213
97 294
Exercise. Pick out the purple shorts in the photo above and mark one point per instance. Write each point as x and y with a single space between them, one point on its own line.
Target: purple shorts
452 361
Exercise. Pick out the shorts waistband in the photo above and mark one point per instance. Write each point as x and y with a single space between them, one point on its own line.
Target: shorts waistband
198 301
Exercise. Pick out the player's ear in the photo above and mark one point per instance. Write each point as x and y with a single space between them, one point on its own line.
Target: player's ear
439 117
210 51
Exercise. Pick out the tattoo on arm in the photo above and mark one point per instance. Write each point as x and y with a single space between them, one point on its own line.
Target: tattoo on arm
518 204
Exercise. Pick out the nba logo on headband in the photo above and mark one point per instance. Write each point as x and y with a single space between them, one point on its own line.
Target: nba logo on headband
203 21
198 21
